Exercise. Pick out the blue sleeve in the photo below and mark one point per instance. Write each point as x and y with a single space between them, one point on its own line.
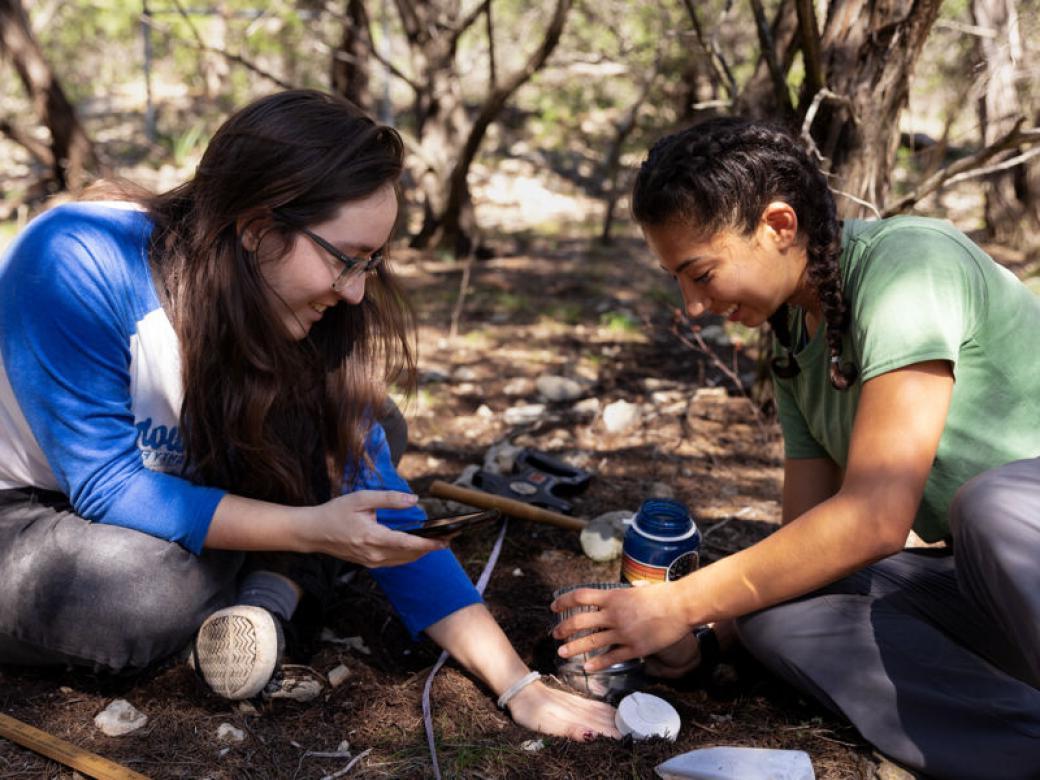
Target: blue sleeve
425 590
69 302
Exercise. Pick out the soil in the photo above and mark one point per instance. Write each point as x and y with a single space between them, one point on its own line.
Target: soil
604 317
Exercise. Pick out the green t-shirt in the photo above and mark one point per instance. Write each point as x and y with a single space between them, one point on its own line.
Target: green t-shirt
920 290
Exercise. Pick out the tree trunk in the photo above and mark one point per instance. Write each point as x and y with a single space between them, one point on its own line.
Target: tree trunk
867 55
1013 197
758 97
72 151
350 63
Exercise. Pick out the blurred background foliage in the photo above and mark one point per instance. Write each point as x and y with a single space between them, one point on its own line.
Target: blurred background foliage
555 127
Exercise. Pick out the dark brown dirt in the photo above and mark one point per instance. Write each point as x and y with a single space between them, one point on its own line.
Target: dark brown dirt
601 315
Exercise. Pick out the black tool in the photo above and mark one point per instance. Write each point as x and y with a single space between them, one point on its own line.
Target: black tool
537 479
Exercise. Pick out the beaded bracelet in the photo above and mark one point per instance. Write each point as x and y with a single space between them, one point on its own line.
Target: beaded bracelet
516 687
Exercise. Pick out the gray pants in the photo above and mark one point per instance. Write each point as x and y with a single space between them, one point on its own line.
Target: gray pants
934 657
114 599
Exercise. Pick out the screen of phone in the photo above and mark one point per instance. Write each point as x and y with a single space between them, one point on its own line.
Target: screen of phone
448 526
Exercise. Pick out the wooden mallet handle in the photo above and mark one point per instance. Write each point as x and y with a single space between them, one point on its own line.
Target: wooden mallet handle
64 752
506 506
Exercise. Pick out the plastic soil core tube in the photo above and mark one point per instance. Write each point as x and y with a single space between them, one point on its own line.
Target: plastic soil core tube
643 716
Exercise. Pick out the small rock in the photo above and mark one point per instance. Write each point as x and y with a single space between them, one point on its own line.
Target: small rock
713 393
119 718
588 407
518 572
247 708
532 745
601 540
652 383
65 689
223 752
338 675
517 386
715 334
466 388
228 733
353 642
485 411
661 490
620 416
501 457
296 689
343 747
464 374
524 414
558 388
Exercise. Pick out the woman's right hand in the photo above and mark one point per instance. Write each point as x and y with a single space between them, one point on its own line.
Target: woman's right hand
346 528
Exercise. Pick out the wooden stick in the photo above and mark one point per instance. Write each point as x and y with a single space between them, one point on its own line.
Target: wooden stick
506 506
64 752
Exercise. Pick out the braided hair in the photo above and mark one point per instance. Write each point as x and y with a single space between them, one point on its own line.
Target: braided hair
721 174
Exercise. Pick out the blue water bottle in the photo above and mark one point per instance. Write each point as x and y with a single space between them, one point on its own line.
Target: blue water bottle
661 544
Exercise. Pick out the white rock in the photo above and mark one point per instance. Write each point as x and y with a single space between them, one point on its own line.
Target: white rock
223 752
501 457
228 733
304 689
713 393
519 385
353 642
247 708
524 413
587 407
338 675
558 388
343 747
518 572
485 412
464 374
532 745
661 490
620 416
602 538
119 718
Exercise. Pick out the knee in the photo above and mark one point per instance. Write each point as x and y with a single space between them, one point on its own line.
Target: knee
984 507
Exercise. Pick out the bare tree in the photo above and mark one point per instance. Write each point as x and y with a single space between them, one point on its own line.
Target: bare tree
1013 197
350 72
446 138
70 153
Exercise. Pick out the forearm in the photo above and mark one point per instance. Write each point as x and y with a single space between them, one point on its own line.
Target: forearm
473 638
251 525
836 538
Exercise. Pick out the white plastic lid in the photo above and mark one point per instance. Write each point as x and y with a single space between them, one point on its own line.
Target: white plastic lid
643 716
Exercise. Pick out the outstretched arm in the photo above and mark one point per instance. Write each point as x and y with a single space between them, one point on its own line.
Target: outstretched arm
476 641
899 422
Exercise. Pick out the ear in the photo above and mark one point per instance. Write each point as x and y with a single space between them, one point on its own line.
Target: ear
780 222
250 228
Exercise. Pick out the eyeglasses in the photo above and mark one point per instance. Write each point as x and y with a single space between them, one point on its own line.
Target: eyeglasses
353 267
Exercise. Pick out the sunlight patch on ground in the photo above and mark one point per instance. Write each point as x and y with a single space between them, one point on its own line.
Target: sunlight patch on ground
516 196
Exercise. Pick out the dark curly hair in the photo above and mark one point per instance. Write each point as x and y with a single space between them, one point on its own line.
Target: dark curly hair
721 174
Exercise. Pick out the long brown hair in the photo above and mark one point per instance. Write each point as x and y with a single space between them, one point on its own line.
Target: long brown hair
266 416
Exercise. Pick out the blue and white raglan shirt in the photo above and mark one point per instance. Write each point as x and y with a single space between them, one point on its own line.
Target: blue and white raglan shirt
90 396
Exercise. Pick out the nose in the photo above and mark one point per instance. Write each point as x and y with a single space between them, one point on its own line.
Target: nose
696 302
353 289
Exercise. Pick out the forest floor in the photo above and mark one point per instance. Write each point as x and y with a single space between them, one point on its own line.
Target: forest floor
603 316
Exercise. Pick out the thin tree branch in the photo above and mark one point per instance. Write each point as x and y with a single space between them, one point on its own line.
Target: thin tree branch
236 58
492 77
810 45
715 59
973 165
467 21
40 151
810 115
765 38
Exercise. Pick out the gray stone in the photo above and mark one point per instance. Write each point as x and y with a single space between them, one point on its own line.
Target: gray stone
661 490
338 675
588 407
558 388
119 718
620 416
602 538
464 374
524 414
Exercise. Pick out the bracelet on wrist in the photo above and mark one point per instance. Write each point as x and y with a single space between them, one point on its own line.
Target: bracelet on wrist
516 687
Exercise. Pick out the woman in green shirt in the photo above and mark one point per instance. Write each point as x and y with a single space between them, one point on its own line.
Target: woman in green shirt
907 366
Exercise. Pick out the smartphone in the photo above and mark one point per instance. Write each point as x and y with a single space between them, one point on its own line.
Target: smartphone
449 526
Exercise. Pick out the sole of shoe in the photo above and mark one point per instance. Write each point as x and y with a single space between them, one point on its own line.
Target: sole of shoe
237 650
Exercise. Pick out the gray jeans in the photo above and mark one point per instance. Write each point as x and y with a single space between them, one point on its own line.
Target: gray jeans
933 656
114 599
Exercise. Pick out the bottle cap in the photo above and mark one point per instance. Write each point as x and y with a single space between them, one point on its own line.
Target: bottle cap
643 716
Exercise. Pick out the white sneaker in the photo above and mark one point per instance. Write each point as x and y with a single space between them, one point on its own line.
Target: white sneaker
237 650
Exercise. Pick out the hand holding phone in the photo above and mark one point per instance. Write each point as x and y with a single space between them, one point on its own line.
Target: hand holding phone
449 526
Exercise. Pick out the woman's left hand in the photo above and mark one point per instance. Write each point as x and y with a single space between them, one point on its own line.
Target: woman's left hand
560 714
636 621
